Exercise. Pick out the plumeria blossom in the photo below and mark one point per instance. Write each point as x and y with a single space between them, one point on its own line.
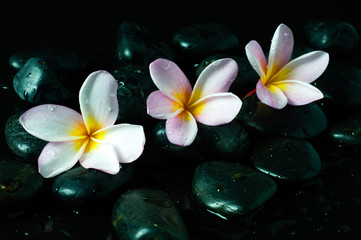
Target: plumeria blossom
284 81
208 103
90 138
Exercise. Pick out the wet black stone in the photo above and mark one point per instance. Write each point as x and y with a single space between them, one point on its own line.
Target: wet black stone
332 35
41 81
347 132
205 39
286 158
225 141
67 60
293 121
20 141
341 84
135 85
19 183
231 190
79 185
147 214
137 44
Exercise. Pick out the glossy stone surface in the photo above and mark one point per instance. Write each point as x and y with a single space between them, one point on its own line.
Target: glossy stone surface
286 158
205 39
20 141
147 214
40 81
230 190
332 35
292 121
19 183
347 132
79 185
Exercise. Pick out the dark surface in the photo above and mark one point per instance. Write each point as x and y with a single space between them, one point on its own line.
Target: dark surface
328 205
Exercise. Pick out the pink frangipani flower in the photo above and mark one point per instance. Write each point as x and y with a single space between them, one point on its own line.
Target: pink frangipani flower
208 103
284 81
92 138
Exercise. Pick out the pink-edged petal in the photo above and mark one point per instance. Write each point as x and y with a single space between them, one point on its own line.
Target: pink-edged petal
216 109
98 100
58 157
53 123
257 58
127 139
182 129
215 78
162 107
170 79
281 49
101 157
300 93
271 95
306 68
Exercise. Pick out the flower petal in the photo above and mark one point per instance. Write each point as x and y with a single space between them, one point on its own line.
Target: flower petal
170 79
53 123
182 129
281 49
217 109
257 58
299 93
162 107
271 95
306 68
101 157
127 139
58 157
98 100
215 78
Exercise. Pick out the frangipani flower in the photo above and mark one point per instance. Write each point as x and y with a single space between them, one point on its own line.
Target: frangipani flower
209 103
283 81
91 137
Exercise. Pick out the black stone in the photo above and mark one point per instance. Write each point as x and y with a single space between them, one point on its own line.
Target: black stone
347 132
286 158
19 183
205 39
67 60
134 86
332 35
41 81
137 44
341 84
20 141
225 141
79 185
293 121
230 190
147 214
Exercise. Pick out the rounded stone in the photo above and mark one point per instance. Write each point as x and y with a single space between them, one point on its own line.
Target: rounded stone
205 39
20 141
292 121
230 190
286 158
332 35
79 185
19 183
147 214
40 81
347 132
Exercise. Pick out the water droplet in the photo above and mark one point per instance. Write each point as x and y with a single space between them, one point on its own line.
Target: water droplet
51 152
109 109
51 108
112 94
28 75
